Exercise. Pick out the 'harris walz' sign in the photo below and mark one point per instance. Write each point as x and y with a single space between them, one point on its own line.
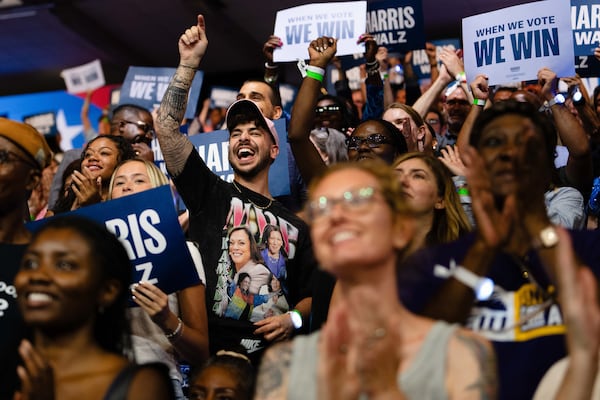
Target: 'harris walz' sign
147 226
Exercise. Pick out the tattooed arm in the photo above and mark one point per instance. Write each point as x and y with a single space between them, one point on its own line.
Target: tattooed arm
175 146
273 374
471 364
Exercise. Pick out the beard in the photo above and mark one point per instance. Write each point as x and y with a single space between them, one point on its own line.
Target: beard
263 163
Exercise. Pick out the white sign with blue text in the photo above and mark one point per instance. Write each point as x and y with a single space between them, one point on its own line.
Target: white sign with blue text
512 44
298 26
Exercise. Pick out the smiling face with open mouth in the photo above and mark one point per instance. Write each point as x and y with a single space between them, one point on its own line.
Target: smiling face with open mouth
251 149
352 226
100 158
58 280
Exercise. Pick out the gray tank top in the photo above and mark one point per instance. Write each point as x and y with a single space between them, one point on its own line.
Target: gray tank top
424 379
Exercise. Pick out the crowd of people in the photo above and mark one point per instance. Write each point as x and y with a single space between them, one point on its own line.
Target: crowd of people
445 248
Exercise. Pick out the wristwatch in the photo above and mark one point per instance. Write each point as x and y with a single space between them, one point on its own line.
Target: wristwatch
557 99
547 238
296 318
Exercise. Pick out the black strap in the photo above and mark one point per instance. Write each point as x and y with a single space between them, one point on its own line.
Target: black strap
120 386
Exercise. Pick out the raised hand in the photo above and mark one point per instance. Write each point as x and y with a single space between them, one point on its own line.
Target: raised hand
193 43
451 159
321 51
87 189
272 43
548 81
152 300
36 375
480 88
370 46
494 227
452 62
358 352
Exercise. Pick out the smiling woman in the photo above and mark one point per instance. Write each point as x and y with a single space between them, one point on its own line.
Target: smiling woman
72 291
371 345
90 184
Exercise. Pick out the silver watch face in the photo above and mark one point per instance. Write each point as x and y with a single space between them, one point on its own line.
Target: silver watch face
549 237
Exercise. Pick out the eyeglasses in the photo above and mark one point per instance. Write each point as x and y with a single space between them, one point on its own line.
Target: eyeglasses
373 141
7 156
351 200
433 121
331 108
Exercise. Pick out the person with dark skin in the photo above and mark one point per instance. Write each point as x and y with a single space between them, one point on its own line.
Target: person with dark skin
509 164
23 155
370 139
72 291
135 124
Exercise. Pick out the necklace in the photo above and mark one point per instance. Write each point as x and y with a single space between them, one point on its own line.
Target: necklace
251 202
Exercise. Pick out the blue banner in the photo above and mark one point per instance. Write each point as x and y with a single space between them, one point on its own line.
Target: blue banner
67 107
147 226
146 86
420 61
585 22
397 25
587 66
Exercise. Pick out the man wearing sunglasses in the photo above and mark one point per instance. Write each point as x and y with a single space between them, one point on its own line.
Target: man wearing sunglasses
24 153
135 124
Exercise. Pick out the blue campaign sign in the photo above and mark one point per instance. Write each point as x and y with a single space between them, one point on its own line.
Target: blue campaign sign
397 25
145 86
585 22
420 61
587 66
66 106
147 226
213 148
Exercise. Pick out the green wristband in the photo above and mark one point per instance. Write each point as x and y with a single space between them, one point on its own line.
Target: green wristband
314 75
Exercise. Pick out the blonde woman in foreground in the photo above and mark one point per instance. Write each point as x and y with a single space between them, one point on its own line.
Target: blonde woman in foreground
372 347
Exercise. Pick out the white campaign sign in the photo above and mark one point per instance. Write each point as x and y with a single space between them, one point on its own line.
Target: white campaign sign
298 26
84 78
512 44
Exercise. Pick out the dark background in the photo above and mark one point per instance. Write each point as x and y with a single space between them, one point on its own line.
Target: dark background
38 39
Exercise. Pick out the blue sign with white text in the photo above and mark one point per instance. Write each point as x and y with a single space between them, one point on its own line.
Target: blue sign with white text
146 86
585 22
147 226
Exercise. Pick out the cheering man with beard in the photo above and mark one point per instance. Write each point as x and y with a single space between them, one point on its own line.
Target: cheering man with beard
216 206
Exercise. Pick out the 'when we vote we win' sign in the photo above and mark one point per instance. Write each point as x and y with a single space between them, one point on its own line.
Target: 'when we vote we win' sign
516 49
